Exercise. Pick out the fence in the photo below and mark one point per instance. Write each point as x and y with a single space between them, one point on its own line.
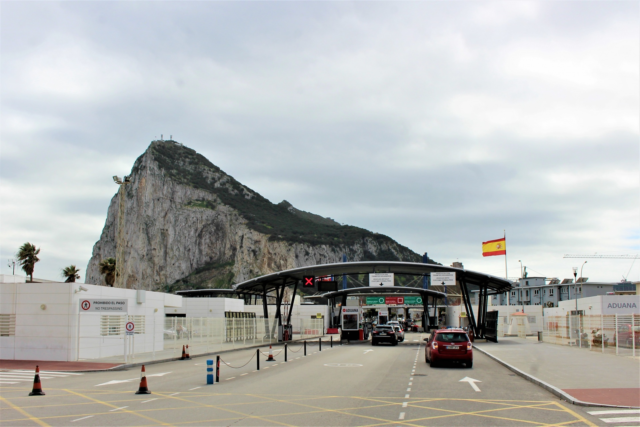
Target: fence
165 338
615 333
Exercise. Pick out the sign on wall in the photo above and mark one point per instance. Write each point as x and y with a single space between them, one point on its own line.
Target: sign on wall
380 279
443 279
103 306
375 301
412 300
620 304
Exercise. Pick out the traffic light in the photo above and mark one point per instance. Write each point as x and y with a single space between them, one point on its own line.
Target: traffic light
308 281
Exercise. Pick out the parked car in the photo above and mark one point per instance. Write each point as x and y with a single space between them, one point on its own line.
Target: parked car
400 329
626 334
449 345
384 333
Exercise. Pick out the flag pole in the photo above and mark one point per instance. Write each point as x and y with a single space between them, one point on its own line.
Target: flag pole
506 274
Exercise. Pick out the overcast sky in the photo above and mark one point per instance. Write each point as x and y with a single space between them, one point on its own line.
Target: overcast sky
439 124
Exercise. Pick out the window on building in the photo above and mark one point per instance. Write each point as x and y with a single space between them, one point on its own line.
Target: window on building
536 291
111 325
527 294
526 282
7 325
139 322
513 293
532 319
550 292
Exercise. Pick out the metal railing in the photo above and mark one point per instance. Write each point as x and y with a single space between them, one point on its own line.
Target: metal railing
608 333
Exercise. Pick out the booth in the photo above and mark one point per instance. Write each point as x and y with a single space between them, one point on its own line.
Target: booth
352 323
383 317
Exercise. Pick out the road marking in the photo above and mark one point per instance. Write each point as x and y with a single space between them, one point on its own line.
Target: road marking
266 367
151 400
174 394
231 378
621 420
367 351
246 373
122 407
471 382
25 413
116 382
84 418
297 357
195 388
401 417
615 411
406 396
255 371
7 382
411 379
159 375
404 404
409 389
410 383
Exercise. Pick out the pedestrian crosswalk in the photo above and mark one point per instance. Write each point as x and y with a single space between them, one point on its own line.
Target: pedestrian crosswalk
619 417
15 376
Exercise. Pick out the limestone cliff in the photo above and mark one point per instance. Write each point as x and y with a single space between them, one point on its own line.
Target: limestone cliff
190 225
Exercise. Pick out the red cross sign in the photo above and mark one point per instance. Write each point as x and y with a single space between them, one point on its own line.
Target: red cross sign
308 281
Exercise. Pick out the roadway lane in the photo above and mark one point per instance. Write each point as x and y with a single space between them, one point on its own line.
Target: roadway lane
348 385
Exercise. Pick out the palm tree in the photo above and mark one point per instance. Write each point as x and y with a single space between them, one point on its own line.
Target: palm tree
108 268
27 257
70 273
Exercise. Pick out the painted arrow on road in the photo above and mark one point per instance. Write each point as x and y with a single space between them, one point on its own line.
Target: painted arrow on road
159 375
367 351
471 382
116 382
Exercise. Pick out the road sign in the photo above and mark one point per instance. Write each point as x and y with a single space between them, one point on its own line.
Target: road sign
130 327
443 279
412 300
375 301
394 300
308 281
380 279
103 306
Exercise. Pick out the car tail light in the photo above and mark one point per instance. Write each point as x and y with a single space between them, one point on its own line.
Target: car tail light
469 345
435 345
375 332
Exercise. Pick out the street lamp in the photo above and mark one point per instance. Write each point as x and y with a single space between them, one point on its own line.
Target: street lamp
581 280
120 235
575 284
520 268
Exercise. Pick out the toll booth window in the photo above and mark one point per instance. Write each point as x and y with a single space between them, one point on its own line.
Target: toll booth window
350 321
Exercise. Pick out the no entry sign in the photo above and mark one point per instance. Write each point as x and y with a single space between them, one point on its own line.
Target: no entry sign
130 327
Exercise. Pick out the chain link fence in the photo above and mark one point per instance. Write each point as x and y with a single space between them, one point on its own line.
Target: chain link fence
614 333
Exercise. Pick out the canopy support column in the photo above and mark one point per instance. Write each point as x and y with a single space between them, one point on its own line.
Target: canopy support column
293 298
467 305
265 310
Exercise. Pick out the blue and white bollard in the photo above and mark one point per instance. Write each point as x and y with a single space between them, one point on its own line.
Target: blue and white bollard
210 371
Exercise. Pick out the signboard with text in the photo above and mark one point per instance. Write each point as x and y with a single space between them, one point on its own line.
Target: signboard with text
103 306
380 279
443 279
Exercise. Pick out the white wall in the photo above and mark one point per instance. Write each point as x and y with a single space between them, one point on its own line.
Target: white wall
601 304
300 311
48 321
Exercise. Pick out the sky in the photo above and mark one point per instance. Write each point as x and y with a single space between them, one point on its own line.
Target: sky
439 124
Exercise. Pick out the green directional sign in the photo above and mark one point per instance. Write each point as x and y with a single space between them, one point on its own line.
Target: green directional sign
412 300
375 300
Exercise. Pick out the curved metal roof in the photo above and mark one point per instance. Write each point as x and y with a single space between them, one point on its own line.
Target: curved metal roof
203 293
289 277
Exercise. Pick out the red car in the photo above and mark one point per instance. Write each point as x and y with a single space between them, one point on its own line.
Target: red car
449 345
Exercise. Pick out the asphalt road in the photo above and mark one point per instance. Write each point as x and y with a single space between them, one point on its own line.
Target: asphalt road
349 385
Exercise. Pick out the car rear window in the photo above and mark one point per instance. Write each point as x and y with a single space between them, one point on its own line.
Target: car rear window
383 328
451 337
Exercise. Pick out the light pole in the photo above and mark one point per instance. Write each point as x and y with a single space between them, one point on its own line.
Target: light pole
575 286
520 268
12 264
120 235
581 282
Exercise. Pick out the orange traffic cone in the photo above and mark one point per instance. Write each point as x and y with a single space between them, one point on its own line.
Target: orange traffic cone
188 357
37 386
184 354
270 358
143 383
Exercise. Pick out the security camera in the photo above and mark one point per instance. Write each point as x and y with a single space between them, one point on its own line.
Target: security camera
80 289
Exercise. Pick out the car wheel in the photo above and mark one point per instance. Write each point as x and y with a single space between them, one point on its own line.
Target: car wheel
432 363
469 364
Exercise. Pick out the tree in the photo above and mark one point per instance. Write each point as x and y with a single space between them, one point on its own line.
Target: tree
27 257
108 268
70 273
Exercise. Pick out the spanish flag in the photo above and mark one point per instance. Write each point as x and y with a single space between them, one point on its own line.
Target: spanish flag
494 247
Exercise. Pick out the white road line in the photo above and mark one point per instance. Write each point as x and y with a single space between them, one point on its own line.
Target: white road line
122 407
297 358
401 417
232 378
411 379
621 420
404 404
615 411
151 400
246 373
255 371
174 394
7 382
406 396
409 389
410 383
84 418
266 367
195 388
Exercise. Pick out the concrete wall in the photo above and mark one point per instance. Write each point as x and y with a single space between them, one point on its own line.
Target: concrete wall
207 307
49 325
300 311
602 304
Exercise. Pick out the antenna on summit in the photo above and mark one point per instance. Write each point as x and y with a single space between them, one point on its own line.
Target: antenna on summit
161 137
